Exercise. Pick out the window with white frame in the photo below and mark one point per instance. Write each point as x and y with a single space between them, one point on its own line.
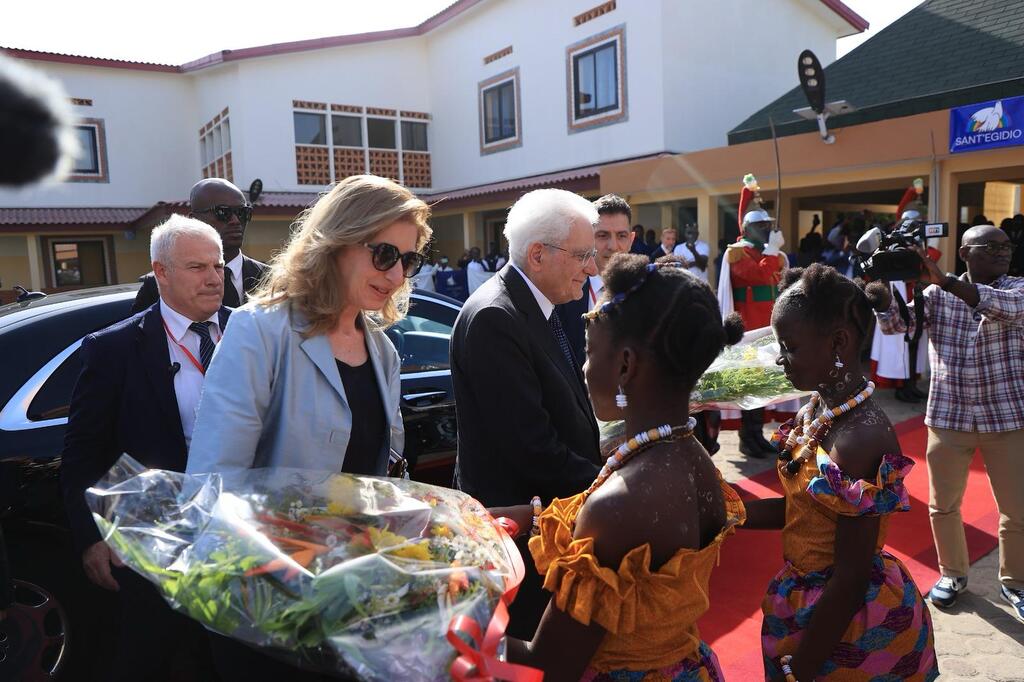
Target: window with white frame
500 120
215 147
596 74
336 141
90 163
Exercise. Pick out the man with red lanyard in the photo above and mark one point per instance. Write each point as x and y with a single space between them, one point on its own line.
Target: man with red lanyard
137 394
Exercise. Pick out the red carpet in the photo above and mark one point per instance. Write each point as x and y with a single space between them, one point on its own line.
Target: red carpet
732 626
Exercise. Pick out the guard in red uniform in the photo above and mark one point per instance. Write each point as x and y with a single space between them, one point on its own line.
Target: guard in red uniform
748 284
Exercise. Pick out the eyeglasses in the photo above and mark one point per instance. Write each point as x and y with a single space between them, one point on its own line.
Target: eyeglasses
584 257
223 213
993 248
386 255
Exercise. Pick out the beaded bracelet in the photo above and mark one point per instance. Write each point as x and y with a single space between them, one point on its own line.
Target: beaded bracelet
538 508
787 670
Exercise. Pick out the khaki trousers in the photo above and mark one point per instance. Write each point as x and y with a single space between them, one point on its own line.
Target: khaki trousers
949 458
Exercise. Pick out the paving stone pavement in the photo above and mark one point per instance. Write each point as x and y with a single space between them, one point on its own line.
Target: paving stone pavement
978 639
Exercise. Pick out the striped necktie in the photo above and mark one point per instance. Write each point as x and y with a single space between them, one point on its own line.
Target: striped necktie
206 344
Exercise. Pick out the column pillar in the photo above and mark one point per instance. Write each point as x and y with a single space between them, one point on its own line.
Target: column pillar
35 263
468 230
668 217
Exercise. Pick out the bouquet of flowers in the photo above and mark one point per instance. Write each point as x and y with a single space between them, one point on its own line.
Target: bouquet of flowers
352 575
745 377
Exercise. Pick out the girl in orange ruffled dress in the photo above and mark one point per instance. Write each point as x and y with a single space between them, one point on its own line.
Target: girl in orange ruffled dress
628 560
842 609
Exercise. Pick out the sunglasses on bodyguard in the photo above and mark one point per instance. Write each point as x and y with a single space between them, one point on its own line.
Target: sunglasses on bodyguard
386 255
223 213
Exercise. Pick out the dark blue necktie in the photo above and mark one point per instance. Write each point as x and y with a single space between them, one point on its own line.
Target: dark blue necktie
206 344
563 340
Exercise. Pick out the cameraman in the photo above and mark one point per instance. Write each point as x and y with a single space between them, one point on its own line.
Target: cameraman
976 401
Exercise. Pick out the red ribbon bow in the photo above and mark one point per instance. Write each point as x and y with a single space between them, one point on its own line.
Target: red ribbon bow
478 659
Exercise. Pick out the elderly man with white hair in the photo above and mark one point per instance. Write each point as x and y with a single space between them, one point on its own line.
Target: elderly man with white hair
137 394
526 426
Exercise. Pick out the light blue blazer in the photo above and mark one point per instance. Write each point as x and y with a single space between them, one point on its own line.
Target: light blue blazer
272 398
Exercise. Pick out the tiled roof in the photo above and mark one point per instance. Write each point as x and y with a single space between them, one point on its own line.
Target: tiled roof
941 54
69 216
545 180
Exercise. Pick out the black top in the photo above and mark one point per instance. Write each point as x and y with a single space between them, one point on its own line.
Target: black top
368 420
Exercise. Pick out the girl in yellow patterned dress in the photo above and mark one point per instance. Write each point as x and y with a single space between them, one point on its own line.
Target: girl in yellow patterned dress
628 560
842 609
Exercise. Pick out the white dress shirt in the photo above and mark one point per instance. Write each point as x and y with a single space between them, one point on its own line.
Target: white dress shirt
596 287
188 380
546 306
683 251
235 267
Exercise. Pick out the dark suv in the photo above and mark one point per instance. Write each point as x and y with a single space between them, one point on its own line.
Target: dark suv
72 623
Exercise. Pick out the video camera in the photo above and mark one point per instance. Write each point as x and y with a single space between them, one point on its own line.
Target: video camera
891 256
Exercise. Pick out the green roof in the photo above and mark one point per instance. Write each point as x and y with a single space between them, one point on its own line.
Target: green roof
941 54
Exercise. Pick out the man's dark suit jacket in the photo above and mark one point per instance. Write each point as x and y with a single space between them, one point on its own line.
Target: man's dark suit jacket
124 402
252 272
526 426
571 314
658 252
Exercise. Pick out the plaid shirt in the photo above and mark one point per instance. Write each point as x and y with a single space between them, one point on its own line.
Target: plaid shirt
976 356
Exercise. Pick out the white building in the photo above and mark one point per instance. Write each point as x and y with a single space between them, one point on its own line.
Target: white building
472 107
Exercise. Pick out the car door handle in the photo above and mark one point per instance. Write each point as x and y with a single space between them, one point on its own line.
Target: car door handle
427 397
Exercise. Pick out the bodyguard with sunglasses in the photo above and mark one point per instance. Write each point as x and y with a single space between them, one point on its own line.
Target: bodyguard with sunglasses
222 206
976 401
305 376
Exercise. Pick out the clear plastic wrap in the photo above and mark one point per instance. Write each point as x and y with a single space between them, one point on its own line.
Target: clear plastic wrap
742 377
745 377
352 575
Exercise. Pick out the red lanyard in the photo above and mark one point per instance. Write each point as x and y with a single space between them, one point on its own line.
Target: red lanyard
186 351
593 296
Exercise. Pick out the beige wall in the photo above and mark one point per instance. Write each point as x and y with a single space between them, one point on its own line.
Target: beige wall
265 238
448 237
131 256
14 267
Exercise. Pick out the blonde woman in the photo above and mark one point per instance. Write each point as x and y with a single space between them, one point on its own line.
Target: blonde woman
305 376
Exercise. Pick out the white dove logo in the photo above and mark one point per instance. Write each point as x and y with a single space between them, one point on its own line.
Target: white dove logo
987 119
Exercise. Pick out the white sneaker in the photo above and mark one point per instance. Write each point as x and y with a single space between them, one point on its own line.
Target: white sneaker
946 591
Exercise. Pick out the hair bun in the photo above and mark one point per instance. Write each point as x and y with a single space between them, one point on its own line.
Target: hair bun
733 327
878 296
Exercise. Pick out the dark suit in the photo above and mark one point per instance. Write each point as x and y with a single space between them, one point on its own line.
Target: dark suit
252 272
526 426
658 252
124 402
571 314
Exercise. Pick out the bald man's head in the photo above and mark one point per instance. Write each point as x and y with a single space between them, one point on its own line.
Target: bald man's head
979 234
987 250
221 205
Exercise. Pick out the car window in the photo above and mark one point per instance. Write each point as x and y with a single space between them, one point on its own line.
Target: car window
54 396
422 337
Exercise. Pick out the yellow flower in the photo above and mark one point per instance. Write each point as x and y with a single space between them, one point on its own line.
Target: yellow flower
418 551
339 509
383 539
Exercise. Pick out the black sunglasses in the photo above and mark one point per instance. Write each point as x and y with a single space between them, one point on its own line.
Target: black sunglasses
386 255
223 213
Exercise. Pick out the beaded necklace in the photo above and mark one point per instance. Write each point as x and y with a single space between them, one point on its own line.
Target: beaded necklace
636 445
809 430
